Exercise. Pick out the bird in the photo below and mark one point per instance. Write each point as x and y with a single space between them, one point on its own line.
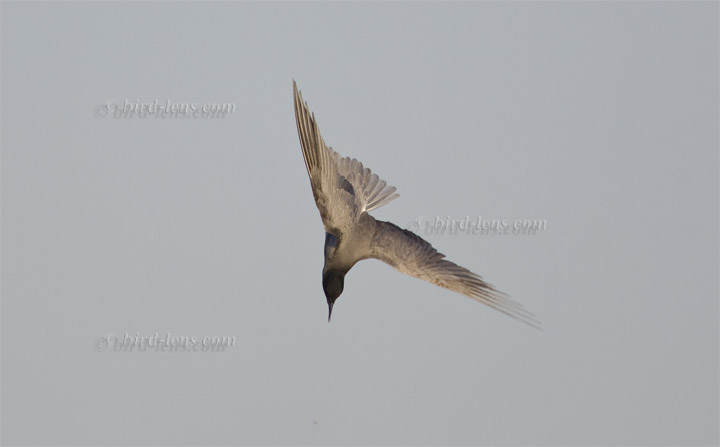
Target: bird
345 192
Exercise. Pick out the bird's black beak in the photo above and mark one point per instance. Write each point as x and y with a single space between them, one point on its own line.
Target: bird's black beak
330 306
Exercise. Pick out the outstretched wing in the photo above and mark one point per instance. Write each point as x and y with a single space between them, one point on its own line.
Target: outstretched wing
334 194
368 190
412 255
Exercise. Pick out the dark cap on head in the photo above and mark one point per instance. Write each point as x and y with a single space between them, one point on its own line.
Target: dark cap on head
333 282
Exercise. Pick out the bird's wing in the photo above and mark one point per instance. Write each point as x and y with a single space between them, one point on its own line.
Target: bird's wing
370 190
412 255
334 194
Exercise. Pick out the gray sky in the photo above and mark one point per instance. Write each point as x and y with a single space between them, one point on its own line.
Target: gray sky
600 118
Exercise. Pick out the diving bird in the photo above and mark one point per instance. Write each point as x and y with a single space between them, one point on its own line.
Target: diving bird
345 191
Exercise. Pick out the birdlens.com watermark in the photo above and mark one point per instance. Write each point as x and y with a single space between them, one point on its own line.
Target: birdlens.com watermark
113 342
167 109
479 226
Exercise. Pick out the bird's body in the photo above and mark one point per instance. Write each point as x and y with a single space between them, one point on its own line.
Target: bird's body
345 191
354 245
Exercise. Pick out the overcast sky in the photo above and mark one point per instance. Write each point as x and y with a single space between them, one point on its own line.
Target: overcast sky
600 119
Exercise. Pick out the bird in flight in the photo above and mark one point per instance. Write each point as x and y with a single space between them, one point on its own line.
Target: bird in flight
345 191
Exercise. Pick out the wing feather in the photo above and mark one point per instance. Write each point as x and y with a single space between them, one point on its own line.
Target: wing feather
333 193
414 256
373 192
324 165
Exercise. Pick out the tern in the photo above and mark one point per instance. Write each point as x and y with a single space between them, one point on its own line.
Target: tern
345 191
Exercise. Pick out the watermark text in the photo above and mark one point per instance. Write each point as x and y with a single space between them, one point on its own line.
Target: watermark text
113 342
162 109
476 226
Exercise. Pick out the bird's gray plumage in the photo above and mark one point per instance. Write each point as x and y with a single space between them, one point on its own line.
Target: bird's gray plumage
344 192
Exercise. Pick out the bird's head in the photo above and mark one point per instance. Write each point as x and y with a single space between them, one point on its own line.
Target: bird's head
333 281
